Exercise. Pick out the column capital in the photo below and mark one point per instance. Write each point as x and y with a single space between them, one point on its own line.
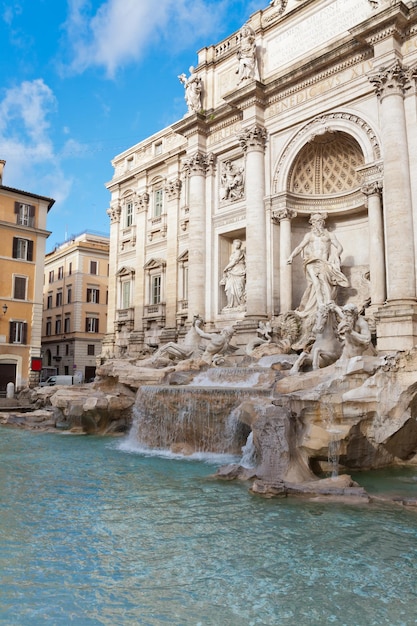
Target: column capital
173 189
373 188
283 214
142 201
393 80
114 213
198 163
253 138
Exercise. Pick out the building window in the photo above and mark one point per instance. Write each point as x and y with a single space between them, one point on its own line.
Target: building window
57 350
25 214
18 332
51 276
67 325
49 301
48 329
93 295
158 202
93 267
58 326
129 215
66 349
125 295
69 295
91 349
22 249
60 272
156 289
59 298
19 287
69 269
91 324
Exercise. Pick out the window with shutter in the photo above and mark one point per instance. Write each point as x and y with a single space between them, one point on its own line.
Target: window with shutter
19 288
18 332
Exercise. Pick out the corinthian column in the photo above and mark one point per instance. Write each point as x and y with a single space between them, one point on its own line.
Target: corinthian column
197 166
253 141
172 194
390 85
372 192
284 217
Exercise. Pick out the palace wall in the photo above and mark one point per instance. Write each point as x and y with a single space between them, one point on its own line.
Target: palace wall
310 108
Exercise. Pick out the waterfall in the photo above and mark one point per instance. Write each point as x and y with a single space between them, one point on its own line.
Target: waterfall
202 419
333 450
248 459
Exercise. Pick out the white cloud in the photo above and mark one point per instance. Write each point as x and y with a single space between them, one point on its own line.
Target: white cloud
25 140
122 31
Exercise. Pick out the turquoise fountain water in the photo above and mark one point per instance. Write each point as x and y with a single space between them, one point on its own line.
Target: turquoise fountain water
91 534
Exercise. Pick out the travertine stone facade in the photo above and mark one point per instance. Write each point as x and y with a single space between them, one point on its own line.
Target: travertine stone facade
325 122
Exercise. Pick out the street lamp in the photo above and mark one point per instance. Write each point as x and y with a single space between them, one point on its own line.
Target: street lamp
4 309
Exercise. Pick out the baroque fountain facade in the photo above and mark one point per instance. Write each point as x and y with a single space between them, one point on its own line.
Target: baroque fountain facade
262 252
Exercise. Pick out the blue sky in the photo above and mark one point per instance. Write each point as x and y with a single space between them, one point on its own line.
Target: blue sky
82 80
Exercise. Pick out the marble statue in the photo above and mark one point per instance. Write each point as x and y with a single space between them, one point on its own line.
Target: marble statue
326 347
234 277
193 89
353 331
246 55
231 182
321 252
218 343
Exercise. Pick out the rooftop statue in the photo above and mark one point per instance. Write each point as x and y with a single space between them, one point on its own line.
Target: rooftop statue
193 88
247 69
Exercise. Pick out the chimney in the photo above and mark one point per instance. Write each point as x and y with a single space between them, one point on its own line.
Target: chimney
2 164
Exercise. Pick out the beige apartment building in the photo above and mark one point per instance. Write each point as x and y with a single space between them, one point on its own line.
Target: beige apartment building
311 107
23 235
75 305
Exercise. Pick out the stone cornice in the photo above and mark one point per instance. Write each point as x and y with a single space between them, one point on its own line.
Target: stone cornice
251 95
195 124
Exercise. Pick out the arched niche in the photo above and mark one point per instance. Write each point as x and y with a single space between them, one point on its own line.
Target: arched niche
323 169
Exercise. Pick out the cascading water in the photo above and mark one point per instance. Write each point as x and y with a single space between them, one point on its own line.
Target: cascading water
249 459
333 453
203 419
200 416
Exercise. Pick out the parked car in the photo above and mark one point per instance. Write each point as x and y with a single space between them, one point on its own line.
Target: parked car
60 380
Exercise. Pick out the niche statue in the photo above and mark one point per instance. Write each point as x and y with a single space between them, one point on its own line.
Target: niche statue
234 277
320 251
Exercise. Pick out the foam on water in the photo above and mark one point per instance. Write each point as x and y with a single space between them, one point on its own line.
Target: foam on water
132 446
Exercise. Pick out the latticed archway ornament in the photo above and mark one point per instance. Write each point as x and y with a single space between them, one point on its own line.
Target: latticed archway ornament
329 164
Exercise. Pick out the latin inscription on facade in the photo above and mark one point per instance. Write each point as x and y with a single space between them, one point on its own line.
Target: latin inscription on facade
314 30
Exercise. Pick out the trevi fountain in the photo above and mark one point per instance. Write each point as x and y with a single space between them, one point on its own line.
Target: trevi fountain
148 527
